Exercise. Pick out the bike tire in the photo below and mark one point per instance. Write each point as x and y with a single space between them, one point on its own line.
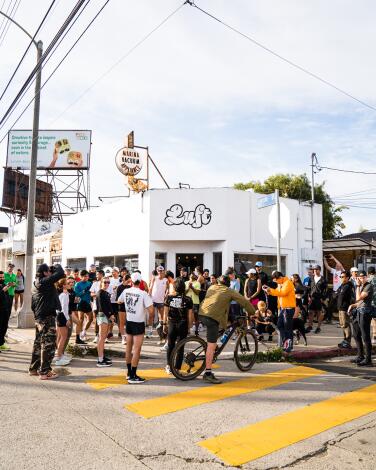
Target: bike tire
190 370
246 348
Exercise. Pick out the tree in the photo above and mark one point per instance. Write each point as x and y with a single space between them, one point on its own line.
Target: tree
299 187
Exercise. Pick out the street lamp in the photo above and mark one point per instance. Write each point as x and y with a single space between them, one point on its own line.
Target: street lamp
25 318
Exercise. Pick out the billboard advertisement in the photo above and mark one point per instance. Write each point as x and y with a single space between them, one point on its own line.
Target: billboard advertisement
56 149
15 195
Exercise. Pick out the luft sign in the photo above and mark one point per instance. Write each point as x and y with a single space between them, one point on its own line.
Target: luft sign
196 218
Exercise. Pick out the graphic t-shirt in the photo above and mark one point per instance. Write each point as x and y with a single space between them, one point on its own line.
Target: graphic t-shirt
159 290
114 283
195 298
178 307
135 302
336 279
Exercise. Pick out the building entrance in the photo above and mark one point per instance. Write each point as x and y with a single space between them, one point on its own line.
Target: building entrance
189 261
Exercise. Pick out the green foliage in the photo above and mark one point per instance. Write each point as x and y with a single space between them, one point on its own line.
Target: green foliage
270 355
299 187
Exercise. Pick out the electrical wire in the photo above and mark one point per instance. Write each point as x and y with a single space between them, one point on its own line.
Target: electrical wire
12 15
319 167
284 59
27 49
5 21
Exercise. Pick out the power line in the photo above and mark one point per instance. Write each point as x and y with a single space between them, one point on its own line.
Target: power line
27 49
319 167
284 59
5 21
12 15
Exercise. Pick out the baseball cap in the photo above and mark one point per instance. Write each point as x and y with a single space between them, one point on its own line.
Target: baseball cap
115 269
251 271
354 270
136 277
316 266
160 269
259 264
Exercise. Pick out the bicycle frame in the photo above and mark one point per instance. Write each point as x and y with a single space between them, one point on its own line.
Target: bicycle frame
237 324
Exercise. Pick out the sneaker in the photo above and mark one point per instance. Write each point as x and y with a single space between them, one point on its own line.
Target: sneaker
200 327
61 362
104 363
260 338
110 335
4 347
344 345
107 359
164 347
317 330
83 335
287 345
136 380
123 340
365 363
160 342
67 357
106 340
168 370
33 373
270 338
95 340
119 335
308 329
211 378
79 341
357 360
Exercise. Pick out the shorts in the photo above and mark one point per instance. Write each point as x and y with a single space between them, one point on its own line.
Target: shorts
115 308
158 305
212 328
61 321
19 291
135 328
84 307
102 319
315 305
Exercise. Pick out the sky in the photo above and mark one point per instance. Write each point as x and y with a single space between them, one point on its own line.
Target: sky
213 108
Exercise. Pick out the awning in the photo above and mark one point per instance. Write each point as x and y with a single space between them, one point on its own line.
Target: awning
340 244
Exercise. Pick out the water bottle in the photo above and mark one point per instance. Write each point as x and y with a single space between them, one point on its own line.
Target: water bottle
224 337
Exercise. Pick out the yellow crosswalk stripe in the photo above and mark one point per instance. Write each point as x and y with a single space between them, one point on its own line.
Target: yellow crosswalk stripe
198 396
259 439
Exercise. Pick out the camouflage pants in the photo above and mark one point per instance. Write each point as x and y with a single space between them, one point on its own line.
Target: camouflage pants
44 345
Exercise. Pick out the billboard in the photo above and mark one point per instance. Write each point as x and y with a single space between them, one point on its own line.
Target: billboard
15 195
56 149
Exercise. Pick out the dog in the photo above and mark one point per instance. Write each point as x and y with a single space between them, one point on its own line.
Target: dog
299 330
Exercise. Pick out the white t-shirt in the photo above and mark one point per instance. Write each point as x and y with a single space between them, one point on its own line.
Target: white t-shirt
135 301
64 302
114 283
93 290
336 279
159 290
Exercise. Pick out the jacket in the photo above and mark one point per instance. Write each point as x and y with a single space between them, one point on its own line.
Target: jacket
345 296
104 305
319 289
44 296
216 304
285 293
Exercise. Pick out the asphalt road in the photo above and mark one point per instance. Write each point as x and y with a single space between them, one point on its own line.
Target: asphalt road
278 416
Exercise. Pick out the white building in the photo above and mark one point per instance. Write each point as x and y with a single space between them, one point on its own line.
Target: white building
212 228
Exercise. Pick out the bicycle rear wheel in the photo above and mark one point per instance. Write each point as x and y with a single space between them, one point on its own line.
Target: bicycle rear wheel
188 358
246 349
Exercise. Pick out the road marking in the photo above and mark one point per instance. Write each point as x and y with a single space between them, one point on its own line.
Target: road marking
260 439
199 396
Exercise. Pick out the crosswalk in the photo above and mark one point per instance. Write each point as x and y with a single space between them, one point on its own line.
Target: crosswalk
239 445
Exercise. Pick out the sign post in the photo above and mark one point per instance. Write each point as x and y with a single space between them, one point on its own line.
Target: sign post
278 230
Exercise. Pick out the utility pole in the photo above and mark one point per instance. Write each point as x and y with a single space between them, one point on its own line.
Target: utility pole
278 230
313 160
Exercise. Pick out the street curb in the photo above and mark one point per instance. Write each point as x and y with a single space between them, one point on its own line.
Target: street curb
319 353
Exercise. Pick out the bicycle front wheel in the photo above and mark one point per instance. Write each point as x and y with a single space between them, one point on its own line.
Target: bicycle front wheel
188 358
246 349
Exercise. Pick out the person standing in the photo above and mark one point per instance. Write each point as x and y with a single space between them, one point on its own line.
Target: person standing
192 290
44 303
63 323
336 271
158 289
354 274
104 317
361 320
287 304
234 311
252 287
264 279
19 290
372 280
94 289
345 298
317 294
4 310
125 284
115 282
136 302
11 281
92 273
82 291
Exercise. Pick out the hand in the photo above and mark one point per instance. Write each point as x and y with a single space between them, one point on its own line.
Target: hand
69 323
112 318
350 308
358 284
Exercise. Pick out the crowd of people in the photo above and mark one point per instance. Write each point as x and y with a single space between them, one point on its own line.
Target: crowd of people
67 301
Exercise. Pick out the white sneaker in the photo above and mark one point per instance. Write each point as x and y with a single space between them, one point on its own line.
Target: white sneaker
83 335
200 327
55 359
67 357
168 370
95 340
124 340
62 362
164 347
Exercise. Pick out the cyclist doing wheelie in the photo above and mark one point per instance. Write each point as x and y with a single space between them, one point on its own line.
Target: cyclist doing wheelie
214 314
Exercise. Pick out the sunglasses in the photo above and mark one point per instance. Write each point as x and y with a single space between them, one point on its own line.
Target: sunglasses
106 282
342 277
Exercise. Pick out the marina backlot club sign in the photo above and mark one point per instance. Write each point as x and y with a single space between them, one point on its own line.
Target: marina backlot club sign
196 218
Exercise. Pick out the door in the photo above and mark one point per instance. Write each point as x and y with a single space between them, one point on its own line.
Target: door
189 261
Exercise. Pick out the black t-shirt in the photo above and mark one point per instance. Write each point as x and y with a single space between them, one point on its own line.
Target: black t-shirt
178 307
345 296
92 277
119 291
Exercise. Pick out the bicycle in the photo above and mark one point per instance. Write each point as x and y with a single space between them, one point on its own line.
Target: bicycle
188 357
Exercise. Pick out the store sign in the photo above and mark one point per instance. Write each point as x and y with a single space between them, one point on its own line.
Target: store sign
197 218
56 149
129 161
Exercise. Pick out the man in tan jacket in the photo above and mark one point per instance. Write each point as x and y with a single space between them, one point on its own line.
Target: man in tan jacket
214 315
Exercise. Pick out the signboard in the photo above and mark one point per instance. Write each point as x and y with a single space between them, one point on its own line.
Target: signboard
15 195
285 221
56 149
129 161
266 201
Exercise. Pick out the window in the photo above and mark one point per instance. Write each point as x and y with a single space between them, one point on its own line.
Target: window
76 263
102 261
217 263
129 261
245 261
38 262
160 259
56 259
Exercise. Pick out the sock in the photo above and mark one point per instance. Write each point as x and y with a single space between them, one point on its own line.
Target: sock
133 371
100 358
208 371
129 367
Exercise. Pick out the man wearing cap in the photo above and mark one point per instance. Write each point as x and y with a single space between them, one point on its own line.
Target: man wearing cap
92 273
44 303
318 293
115 282
11 281
136 302
354 275
287 304
263 278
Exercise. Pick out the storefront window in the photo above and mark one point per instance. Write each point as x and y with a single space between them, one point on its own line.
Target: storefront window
38 262
217 263
160 259
76 263
56 259
129 261
245 261
102 261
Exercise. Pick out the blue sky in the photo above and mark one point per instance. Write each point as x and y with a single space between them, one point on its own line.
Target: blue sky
213 108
